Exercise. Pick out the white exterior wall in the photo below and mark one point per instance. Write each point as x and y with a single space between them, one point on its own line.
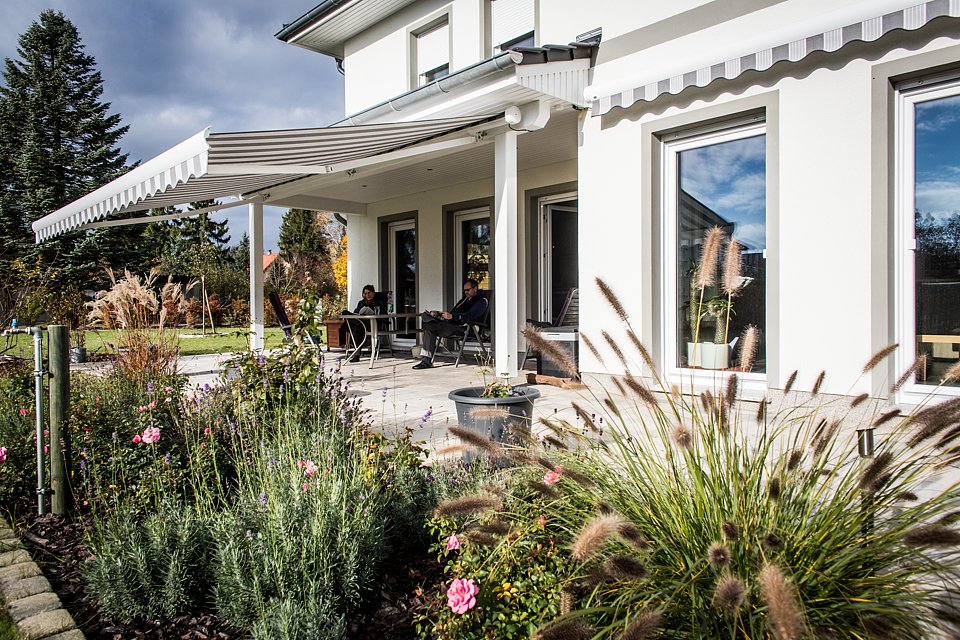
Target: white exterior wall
825 316
379 64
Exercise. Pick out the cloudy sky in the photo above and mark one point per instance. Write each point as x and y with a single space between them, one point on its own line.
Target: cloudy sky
938 157
173 67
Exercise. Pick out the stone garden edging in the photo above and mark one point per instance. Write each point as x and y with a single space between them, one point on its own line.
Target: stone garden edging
27 595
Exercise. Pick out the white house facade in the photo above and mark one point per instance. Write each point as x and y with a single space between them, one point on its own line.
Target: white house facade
820 136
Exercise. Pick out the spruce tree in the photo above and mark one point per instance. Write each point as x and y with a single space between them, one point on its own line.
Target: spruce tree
59 143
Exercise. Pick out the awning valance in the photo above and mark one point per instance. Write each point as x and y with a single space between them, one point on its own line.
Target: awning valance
223 165
781 45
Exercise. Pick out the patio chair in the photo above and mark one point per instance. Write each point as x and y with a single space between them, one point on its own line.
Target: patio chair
384 332
476 332
285 323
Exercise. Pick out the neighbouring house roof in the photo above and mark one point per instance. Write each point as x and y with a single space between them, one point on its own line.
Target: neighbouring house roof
222 165
698 67
268 260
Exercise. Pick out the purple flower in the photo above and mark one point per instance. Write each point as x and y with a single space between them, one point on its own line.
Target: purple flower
426 417
263 499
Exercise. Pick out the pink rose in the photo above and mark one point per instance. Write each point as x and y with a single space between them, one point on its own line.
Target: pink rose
150 435
23 412
206 431
461 596
142 407
3 454
136 439
453 542
551 477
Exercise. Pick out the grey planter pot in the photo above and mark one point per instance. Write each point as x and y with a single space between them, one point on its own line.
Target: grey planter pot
518 409
78 354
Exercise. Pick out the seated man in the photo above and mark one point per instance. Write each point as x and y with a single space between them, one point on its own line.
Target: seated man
446 324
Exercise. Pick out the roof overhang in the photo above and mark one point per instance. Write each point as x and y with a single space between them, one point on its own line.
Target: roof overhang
673 66
246 166
326 27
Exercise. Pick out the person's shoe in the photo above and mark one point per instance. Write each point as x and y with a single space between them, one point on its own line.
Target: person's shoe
423 364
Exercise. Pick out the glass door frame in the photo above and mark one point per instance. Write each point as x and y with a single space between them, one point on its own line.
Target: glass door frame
546 205
669 284
408 224
459 217
908 95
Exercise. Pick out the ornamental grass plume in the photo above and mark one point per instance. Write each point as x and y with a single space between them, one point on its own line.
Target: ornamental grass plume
643 626
792 378
594 535
575 629
730 594
953 373
748 348
718 555
682 436
933 535
732 266
619 567
481 443
818 383
550 350
617 351
879 356
612 299
730 531
491 411
709 255
592 347
783 612
466 505
920 364
641 391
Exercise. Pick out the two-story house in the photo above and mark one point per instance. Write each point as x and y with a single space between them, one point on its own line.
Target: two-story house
820 136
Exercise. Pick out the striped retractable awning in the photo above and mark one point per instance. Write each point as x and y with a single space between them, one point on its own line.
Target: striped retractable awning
868 30
210 166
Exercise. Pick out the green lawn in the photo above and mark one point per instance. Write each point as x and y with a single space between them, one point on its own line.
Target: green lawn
226 340
8 631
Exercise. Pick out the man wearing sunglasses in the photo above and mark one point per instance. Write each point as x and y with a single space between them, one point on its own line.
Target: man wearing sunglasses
447 324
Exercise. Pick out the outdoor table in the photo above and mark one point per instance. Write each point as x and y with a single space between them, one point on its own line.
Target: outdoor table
374 331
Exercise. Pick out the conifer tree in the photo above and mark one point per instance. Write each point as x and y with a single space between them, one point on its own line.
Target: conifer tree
60 142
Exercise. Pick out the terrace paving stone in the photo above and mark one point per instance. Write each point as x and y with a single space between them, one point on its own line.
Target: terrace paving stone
19 571
17 589
8 558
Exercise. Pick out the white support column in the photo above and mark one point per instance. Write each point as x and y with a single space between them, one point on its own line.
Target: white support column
506 324
255 221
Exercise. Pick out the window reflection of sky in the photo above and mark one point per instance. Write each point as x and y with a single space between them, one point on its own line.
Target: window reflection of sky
938 157
730 179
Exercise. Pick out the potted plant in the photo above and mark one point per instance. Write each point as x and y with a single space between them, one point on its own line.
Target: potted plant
717 309
331 306
488 410
78 339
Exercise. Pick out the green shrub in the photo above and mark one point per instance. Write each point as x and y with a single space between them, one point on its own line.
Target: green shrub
153 569
18 462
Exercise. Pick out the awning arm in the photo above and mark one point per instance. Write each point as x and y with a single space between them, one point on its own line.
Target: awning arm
169 216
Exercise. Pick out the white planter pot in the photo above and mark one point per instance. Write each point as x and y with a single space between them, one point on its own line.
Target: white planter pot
707 355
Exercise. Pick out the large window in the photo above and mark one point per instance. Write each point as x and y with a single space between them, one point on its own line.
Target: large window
433 52
716 240
928 245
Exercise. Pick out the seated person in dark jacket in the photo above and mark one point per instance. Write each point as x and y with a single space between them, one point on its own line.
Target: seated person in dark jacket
358 328
446 324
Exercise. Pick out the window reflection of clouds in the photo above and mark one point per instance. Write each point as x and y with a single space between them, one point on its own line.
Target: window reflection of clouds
730 179
938 157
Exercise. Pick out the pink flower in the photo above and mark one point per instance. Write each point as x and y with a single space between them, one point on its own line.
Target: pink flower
543 521
206 431
167 399
142 407
46 449
150 435
98 399
551 477
309 468
152 404
3 454
306 486
136 439
23 412
461 596
453 542
168 389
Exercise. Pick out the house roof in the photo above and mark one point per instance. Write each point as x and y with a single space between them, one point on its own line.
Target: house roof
222 165
269 259
332 22
677 65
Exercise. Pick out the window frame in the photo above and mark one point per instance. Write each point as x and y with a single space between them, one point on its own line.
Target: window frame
672 145
907 95
434 22
459 217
